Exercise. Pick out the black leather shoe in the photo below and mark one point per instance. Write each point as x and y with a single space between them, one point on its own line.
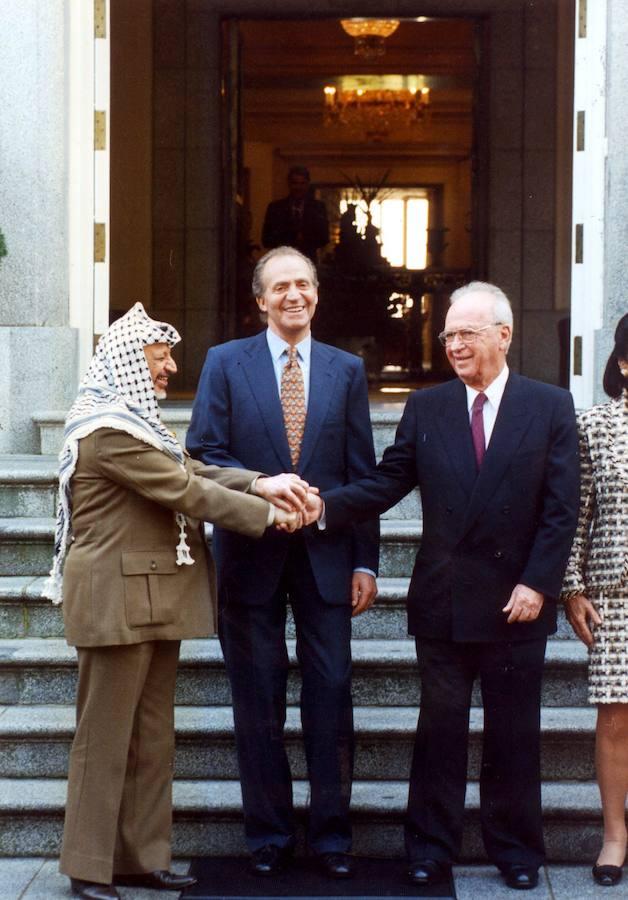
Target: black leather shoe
161 880
607 876
336 865
521 878
93 890
428 872
270 859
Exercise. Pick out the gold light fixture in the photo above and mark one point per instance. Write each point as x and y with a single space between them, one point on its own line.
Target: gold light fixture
376 106
369 35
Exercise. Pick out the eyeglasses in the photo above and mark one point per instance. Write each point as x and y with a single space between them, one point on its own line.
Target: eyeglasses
465 336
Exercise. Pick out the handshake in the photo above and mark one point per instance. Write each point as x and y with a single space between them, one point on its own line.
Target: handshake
296 503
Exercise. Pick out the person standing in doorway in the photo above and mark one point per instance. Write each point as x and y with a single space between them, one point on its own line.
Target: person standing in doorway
298 220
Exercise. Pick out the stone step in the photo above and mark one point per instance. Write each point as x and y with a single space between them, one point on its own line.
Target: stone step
24 613
177 418
35 742
28 485
207 818
26 546
43 671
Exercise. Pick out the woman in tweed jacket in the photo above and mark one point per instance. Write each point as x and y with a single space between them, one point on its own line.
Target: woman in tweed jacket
595 593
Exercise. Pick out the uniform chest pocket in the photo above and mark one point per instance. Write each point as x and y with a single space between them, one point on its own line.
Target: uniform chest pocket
149 594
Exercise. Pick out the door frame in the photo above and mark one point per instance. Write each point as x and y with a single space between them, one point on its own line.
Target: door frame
88 174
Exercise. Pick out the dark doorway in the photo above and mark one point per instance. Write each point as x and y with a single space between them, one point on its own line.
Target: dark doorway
210 108
390 146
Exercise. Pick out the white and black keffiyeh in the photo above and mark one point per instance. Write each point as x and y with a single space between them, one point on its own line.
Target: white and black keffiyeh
117 391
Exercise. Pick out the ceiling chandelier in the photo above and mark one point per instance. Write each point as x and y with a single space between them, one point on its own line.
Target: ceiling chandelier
369 35
376 109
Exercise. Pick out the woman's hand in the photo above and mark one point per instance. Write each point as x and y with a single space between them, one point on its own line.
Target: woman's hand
581 615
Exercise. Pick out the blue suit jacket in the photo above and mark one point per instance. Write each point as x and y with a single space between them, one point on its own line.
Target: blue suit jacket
237 420
482 533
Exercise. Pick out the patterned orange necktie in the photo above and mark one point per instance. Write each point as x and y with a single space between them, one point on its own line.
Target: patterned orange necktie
293 404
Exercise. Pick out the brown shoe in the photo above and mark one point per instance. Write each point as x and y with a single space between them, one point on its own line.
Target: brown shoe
161 880
93 890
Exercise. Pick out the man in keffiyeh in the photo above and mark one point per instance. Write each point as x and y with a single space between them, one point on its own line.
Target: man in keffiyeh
132 565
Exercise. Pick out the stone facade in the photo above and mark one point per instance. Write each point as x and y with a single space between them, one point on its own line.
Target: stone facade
521 184
616 218
36 343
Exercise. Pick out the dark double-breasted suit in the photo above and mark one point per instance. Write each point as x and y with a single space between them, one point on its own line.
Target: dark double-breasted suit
237 418
483 533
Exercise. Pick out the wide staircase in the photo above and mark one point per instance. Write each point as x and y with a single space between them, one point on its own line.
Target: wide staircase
38 680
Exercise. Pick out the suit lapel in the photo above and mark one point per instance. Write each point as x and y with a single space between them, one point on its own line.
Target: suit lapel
512 422
259 371
453 424
323 375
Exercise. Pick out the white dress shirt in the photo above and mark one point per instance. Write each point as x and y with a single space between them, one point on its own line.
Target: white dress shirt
494 393
279 354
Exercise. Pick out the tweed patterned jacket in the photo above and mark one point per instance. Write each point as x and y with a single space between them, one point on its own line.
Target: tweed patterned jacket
599 555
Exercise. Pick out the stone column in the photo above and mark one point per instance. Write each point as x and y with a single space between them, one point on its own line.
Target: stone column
37 347
616 199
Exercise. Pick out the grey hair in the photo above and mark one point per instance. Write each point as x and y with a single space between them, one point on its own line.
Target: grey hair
502 310
257 284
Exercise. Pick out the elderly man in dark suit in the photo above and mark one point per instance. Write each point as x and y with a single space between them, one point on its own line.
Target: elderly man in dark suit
495 457
286 401
298 220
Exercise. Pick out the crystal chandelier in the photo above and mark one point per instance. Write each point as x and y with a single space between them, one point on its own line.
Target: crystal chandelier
369 35
375 111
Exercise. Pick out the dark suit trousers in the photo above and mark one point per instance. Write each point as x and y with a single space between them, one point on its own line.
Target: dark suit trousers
510 783
254 646
118 815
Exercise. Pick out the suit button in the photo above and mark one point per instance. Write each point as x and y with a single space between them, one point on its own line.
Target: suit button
505 510
450 509
498 554
153 565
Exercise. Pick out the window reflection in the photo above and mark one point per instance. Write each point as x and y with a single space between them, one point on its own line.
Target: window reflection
402 218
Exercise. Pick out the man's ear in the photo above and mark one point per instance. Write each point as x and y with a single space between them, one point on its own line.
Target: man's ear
261 303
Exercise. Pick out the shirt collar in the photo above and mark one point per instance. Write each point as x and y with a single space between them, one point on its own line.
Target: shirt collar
278 346
494 392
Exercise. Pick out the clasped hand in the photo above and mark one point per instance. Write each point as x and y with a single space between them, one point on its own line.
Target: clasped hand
296 502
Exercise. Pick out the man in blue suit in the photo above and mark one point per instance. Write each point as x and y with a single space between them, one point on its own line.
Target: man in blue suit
495 457
239 420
